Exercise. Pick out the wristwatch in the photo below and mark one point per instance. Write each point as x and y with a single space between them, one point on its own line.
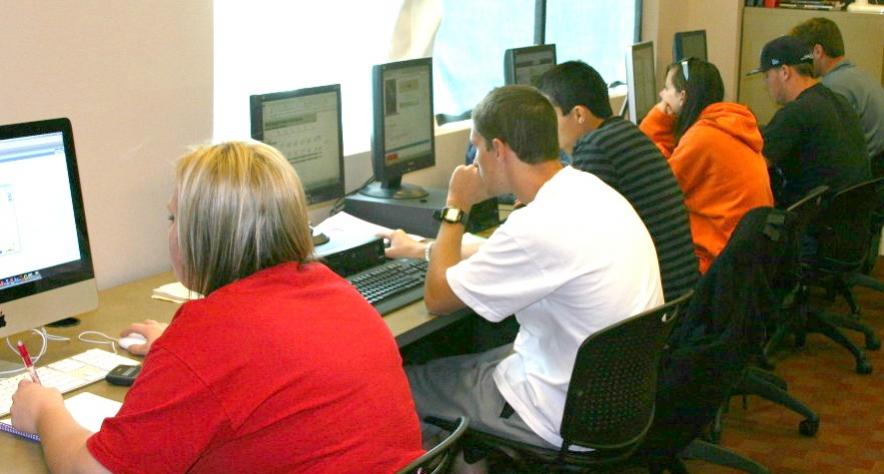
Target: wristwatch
451 215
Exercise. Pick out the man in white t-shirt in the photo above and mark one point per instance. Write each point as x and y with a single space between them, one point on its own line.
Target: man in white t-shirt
573 261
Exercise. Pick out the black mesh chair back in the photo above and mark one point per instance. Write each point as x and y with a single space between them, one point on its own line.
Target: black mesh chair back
610 402
807 208
436 460
843 227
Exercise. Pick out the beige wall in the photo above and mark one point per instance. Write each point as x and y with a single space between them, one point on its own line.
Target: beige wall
721 19
135 78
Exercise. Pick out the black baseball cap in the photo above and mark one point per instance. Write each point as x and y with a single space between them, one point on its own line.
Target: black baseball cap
784 50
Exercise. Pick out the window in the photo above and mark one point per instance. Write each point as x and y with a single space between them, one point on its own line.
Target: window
268 46
597 33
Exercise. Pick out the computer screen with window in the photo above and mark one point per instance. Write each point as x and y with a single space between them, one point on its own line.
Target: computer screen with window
689 44
46 269
305 126
403 138
641 87
526 65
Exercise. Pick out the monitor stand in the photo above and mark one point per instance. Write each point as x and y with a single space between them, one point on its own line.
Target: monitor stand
64 323
394 189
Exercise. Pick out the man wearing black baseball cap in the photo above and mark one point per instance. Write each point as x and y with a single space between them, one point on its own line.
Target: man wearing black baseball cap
815 138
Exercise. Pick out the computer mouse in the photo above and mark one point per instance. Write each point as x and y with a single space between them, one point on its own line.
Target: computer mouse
132 339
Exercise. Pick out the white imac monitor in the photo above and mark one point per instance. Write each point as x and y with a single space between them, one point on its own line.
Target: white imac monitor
641 87
45 263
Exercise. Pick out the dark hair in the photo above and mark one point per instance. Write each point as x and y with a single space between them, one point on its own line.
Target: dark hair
703 88
521 117
823 32
803 69
576 83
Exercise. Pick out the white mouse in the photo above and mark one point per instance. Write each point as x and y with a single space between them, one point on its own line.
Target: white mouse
130 340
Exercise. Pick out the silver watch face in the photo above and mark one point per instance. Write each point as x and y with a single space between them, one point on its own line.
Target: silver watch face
451 214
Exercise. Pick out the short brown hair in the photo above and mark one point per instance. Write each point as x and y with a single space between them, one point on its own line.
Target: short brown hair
521 117
241 208
823 32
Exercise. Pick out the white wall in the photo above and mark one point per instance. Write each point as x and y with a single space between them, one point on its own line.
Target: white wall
135 78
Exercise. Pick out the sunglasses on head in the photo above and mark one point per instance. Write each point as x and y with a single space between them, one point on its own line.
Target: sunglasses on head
685 69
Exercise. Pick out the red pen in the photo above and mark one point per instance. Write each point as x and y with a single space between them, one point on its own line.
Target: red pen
26 358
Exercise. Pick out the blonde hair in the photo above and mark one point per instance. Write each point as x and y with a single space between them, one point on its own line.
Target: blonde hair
241 208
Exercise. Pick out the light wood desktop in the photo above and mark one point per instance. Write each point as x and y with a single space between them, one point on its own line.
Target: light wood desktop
119 306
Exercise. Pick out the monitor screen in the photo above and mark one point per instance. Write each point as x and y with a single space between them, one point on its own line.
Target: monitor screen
526 65
305 126
641 87
689 44
45 263
403 138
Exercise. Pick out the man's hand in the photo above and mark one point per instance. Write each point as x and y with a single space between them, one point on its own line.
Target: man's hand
30 402
466 188
150 329
402 246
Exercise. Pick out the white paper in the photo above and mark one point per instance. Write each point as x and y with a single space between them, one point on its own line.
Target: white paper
174 292
88 409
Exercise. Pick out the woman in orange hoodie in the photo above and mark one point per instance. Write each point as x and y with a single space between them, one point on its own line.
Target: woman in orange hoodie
714 149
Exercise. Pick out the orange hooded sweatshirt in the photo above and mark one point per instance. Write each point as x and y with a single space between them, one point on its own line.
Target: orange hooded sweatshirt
720 169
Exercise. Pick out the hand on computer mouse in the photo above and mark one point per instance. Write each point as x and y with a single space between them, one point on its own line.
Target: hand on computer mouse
402 246
150 330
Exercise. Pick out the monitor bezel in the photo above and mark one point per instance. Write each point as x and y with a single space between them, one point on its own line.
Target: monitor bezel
678 44
390 176
65 274
326 193
630 78
510 55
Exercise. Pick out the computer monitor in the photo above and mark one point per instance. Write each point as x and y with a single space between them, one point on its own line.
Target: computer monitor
526 65
403 138
689 44
46 269
641 87
305 126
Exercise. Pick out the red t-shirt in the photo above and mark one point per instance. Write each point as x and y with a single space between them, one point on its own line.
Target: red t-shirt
287 370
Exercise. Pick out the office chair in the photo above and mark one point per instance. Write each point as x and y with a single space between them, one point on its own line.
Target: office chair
610 401
841 231
714 341
436 460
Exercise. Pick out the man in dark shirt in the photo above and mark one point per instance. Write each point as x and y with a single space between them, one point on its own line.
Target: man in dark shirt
815 138
622 156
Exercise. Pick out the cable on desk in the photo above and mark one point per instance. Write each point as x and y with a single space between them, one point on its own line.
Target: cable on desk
43 337
112 342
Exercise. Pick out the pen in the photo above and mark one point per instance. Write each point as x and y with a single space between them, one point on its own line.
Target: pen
26 358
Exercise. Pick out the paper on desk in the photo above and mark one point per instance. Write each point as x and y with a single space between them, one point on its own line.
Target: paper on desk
88 409
343 223
174 292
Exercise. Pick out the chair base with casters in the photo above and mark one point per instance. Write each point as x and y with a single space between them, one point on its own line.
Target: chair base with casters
437 459
767 385
699 449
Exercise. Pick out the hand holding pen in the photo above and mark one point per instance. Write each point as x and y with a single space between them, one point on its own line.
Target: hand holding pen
29 366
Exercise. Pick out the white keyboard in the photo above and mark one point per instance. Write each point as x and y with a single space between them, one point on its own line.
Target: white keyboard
67 374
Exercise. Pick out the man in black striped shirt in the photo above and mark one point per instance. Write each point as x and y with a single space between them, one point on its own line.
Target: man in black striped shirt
618 152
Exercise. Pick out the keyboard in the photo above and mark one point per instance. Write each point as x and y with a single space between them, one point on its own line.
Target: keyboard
67 374
392 284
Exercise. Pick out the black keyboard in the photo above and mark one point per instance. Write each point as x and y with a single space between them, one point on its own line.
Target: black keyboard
392 284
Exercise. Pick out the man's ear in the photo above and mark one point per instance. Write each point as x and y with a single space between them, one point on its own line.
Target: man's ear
499 147
818 51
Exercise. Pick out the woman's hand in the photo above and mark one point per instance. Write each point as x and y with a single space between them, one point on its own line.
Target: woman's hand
150 329
30 402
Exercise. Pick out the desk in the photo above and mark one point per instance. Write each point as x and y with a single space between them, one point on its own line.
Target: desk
119 306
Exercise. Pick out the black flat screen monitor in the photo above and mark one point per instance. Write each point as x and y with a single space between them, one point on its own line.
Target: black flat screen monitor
526 65
46 269
641 87
403 138
305 126
689 44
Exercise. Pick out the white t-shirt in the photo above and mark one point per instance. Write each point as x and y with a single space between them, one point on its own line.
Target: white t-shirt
575 260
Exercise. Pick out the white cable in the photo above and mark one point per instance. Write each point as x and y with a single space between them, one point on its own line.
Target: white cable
111 341
43 337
